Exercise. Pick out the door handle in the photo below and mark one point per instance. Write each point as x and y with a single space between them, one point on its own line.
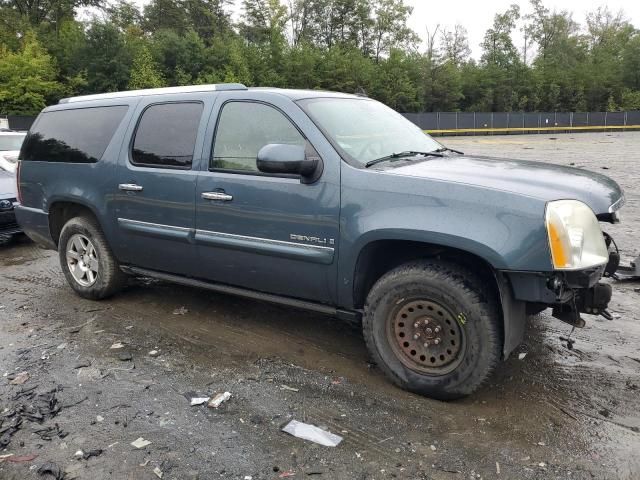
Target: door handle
130 187
219 196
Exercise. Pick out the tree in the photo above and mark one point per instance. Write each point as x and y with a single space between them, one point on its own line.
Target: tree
145 72
27 79
455 45
390 28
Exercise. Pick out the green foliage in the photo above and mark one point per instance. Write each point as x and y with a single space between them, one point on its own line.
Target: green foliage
27 79
346 45
145 72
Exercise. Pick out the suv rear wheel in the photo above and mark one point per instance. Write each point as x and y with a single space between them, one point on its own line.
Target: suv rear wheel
433 329
87 261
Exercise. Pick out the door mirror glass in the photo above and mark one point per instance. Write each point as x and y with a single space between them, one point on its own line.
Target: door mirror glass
278 158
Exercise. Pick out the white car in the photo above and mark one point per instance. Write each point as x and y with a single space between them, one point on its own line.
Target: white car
10 143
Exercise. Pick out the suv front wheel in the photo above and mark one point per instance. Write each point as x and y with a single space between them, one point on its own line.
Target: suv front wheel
87 261
433 329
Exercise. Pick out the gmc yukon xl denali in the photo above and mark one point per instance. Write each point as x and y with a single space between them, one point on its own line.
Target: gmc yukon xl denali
321 201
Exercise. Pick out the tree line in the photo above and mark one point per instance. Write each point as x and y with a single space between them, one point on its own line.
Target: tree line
540 61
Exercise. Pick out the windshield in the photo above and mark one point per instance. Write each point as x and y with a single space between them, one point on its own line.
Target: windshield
367 130
11 141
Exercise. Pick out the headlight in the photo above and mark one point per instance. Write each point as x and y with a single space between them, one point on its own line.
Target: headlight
575 238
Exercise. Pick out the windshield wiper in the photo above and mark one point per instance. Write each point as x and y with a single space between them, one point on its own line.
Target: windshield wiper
396 156
447 149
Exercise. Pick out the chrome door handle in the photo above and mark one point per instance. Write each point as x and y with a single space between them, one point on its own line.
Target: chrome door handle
130 187
220 196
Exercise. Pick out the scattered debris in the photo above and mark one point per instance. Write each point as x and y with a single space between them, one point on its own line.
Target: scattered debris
219 399
158 472
522 355
433 448
125 357
312 433
81 365
287 474
497 468
181 311
146 462
89 374
92 453
22 458
140 443
154 353
78 454
542 465
99 418
287 387
20 378
51 468
199 400
49 433
5 457
116 346
62 346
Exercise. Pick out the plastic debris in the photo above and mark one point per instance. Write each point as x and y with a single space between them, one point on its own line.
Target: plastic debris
21 458
312 433
158 472
287 387
140 443
78 454
287 474
99 418
181 311
521 356
52 469
199 400
219 399
433 448
116 346
154 353
20 378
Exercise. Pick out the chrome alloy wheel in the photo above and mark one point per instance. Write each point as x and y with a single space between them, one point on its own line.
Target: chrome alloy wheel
82 260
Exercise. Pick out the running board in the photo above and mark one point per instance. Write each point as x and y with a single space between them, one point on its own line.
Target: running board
243 292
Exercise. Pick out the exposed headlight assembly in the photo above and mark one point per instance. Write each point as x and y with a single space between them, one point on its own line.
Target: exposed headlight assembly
575 237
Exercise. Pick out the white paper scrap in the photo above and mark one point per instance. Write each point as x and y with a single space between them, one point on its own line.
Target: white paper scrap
312 433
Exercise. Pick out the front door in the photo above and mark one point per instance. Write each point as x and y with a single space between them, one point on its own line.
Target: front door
269 233
157 181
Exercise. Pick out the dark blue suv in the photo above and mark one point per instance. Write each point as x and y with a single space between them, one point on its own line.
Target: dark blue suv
322 201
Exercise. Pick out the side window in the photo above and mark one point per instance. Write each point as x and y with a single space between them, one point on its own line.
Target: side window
243 129
79 135
166 135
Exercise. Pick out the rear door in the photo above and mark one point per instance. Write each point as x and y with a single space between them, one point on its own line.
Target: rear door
269 233
157 180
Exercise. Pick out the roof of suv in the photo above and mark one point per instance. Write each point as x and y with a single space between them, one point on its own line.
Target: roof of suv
291 93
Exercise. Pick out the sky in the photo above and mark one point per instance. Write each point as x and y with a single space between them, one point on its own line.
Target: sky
477 16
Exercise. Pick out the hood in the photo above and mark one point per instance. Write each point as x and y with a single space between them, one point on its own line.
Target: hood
535 179
7 184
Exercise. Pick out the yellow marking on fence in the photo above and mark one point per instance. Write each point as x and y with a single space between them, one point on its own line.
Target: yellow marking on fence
536 129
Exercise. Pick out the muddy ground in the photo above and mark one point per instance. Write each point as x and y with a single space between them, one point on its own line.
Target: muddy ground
554 414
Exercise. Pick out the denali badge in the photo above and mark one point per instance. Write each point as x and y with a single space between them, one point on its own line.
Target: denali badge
316 240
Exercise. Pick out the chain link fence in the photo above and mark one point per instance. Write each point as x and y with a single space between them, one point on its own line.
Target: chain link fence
522 122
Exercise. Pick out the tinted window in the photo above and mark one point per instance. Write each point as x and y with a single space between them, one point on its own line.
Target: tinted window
243 129
166 135
78 135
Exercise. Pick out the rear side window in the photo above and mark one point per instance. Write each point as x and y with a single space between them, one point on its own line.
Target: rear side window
166 135
78 135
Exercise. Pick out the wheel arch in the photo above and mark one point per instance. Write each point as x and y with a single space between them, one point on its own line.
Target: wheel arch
380 255
63 210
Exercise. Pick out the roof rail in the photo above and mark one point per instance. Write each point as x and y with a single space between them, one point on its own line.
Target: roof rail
220 87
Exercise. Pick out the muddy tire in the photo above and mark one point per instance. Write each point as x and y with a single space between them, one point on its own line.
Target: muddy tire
87 260
433 329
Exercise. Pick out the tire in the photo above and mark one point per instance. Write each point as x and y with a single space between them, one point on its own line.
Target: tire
432 294
107 279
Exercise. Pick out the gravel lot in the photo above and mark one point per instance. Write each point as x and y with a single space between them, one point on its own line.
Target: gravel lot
554 414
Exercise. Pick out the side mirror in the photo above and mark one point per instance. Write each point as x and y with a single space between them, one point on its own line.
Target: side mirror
286 159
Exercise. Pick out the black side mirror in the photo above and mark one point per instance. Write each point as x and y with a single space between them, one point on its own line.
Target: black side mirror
286 159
